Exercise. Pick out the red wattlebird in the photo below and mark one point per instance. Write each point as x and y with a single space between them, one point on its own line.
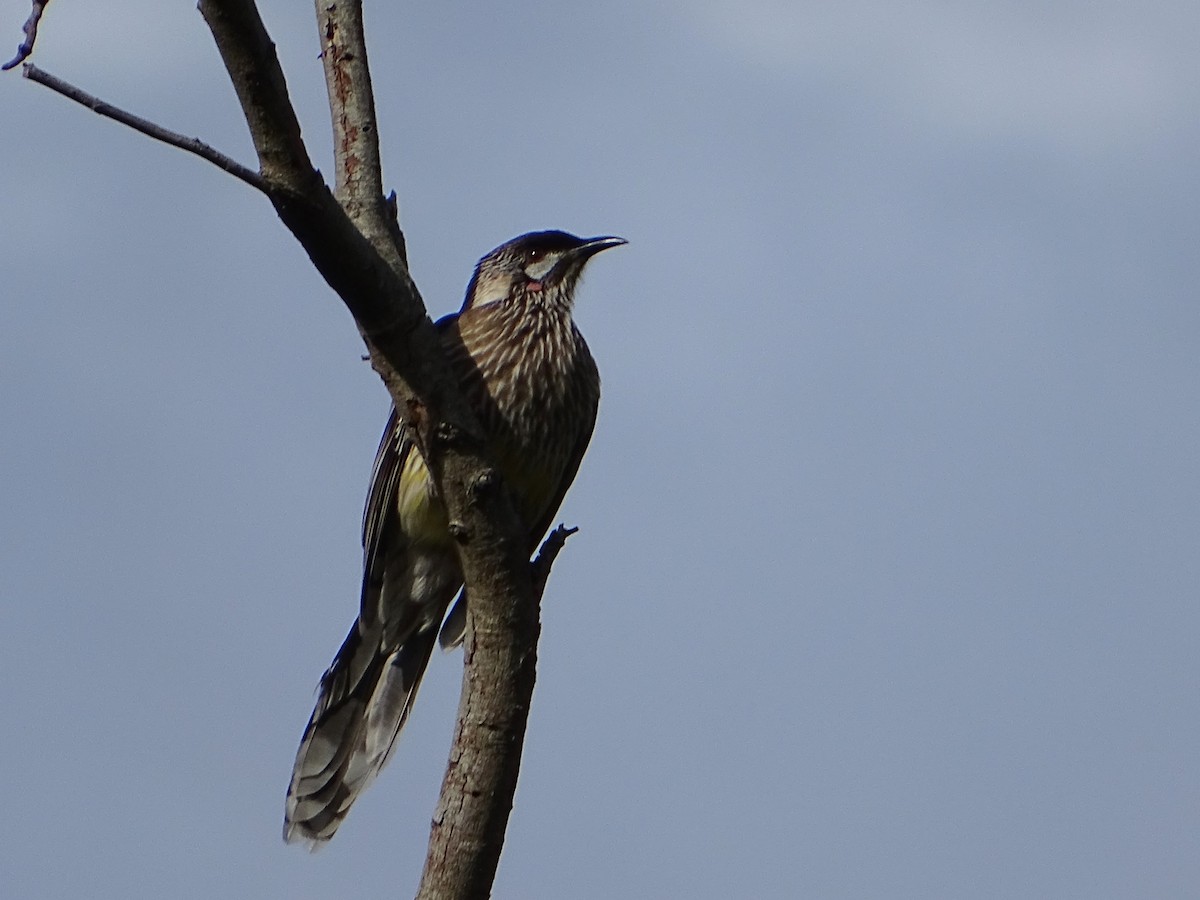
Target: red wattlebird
525 369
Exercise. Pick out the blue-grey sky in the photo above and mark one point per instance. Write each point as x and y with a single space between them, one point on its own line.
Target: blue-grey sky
888 572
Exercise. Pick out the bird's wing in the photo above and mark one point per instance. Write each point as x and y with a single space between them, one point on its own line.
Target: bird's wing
380 513
568 477
581 444
454 628
380 526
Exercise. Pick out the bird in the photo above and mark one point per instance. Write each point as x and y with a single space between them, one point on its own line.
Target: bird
528 375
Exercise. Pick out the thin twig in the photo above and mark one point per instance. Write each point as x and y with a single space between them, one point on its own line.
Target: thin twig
551 547
30 28
359 183
146 127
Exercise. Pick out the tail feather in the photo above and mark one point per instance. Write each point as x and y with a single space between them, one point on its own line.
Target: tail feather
365 698
395 694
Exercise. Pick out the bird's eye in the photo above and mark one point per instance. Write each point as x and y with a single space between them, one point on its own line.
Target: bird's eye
533 254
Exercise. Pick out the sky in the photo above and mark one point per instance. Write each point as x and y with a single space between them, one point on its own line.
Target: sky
886 584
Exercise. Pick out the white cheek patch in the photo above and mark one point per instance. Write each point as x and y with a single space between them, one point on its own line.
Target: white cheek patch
491 290
539 269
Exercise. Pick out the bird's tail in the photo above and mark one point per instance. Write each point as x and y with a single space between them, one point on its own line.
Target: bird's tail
364 700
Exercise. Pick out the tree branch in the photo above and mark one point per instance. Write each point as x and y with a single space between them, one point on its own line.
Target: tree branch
359 173
481 777
145 126
551 547
30 28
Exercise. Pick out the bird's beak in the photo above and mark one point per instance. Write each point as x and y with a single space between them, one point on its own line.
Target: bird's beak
572 262
592 246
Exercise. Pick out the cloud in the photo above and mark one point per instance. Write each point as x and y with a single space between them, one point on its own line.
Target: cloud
1100 75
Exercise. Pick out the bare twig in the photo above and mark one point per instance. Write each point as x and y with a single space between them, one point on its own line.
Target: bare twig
146 127
551 547
30 28
359 181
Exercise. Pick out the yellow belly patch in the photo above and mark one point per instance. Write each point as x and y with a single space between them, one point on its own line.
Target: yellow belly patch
422 514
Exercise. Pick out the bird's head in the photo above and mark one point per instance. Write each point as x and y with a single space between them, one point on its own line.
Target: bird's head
542 266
